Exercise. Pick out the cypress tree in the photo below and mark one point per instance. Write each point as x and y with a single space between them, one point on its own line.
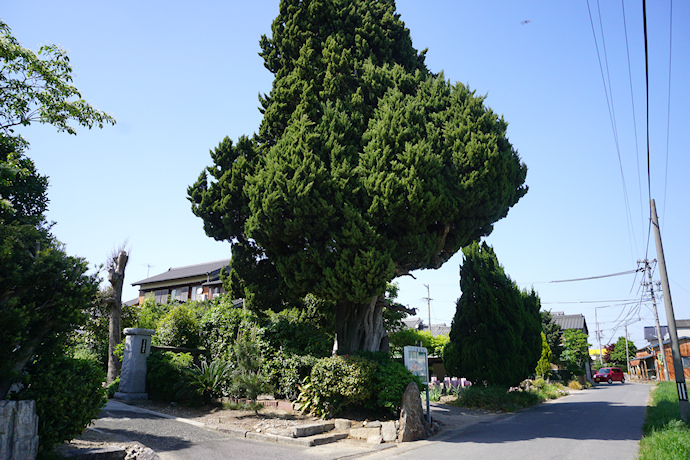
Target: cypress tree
366 166
495 336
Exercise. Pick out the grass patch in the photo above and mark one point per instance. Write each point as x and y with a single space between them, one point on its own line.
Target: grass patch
666 436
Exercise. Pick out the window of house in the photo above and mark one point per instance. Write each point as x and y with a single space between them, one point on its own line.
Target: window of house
161 295
196 292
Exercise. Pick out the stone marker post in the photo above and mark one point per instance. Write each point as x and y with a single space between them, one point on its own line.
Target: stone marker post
133 376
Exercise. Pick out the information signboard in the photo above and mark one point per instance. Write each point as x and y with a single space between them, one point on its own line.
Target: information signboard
417 361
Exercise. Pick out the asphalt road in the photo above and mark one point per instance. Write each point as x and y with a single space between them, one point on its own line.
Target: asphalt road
172 439
601 422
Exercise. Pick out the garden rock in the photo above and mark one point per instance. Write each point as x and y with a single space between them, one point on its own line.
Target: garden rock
389 432
411 415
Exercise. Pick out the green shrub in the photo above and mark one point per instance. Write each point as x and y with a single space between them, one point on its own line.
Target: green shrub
69 394
335 383
206 381
574 385
166 374
392 379
112 388
285 372
220 325
293 331
539 383
180 327
150 313
496 398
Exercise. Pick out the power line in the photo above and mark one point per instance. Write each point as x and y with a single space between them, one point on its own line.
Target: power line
596 277
632 99
612 117
668 116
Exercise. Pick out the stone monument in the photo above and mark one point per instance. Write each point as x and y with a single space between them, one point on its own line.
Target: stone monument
133 375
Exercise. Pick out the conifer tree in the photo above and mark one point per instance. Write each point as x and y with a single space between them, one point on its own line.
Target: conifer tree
495 336
366 166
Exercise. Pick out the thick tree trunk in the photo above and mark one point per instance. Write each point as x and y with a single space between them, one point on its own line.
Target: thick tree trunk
359 327
116 276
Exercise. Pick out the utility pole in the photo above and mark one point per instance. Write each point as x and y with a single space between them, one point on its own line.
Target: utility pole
596 320
428 305
671 318
627 352
659 337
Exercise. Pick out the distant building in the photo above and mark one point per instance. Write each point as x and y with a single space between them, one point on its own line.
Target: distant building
418 325
682 327
570 321
193 282
576 322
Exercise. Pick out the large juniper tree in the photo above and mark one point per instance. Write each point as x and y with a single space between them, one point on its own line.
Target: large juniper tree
496 332
366 166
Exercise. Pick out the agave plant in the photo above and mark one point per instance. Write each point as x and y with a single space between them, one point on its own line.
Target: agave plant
208 381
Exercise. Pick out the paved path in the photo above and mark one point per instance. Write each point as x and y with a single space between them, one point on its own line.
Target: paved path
601 422
174 439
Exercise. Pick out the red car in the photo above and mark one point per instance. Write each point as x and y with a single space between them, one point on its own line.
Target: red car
609 374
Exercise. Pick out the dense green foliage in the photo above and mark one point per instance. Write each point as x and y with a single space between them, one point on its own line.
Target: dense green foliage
166 375
495 336
496 398
402 338
205 381
500 398
366 166
665 434
553 335
338 383
179 327
69 394
43 291
575 351
544 363
286 371
618 354
92 341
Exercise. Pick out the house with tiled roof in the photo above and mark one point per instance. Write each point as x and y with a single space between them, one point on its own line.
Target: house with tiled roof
570 321
191 282
576 322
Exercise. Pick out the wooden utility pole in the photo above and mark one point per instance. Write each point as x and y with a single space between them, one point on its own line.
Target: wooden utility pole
659 337
428 305
671 318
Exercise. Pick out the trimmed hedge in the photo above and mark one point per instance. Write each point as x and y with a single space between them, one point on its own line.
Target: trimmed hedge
369 381
69 394
167 374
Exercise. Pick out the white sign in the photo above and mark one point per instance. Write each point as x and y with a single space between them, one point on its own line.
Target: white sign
416 360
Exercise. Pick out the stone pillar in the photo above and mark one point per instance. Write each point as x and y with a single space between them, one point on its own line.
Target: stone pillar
18 430
133 376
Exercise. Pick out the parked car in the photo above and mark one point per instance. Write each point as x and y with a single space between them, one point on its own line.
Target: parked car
609 374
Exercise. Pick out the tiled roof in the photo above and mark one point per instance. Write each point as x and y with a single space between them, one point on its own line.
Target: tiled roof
440 330
571 322
186 272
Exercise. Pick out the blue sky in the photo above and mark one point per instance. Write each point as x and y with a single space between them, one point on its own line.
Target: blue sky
179 77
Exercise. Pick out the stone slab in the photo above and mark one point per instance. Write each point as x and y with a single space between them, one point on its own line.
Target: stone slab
364 433
310 430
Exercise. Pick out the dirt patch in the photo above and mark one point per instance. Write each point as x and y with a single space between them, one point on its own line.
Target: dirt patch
216 416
